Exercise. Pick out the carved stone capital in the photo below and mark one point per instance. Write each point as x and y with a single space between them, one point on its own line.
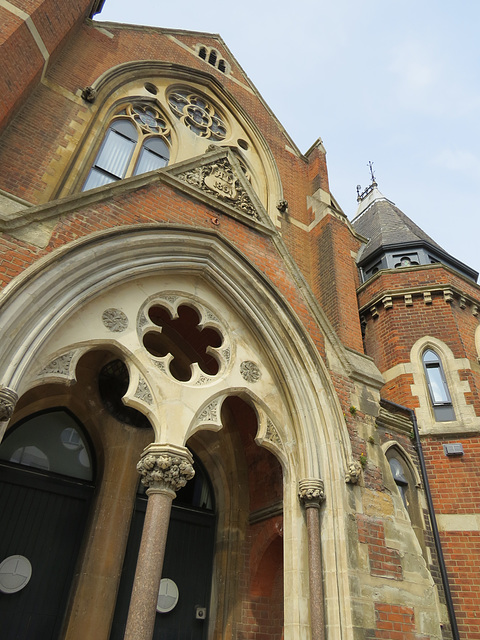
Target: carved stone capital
8 400
354 472
165 469
311 492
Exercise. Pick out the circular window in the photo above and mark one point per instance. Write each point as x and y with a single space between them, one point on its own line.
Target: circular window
198 114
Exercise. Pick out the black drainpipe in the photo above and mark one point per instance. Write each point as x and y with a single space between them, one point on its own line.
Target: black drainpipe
433 519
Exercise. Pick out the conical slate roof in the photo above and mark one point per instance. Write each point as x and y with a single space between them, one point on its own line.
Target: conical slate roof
391 233
379 220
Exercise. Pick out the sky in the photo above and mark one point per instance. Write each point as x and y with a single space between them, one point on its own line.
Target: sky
395 83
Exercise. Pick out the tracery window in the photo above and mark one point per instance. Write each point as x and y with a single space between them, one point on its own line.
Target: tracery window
137 141
198 114
437 387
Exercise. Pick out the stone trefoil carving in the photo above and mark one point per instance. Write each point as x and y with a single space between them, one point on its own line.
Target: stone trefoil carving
164 470
250 371
311 492
354 472
115 320
8 400
219 180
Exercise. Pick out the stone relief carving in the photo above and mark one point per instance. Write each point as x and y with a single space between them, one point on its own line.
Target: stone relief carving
8 400
202 380
250 371
160 364
89 94
143 392
271 434
171 299
311 492
354 472
227 354
210 413
59 366
142 321
219 180
165 471
115 320
211 316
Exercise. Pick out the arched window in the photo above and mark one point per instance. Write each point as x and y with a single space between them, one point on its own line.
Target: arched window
405 479
136 141
401 481
51 441
437 387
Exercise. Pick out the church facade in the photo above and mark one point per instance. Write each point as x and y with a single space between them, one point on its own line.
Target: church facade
226 410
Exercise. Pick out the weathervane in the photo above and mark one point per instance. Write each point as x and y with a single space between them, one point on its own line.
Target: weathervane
363 194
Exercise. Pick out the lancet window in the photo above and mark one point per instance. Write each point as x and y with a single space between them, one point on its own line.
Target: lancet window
137 141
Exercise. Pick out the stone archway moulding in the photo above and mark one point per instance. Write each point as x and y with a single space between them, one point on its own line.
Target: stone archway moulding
36 304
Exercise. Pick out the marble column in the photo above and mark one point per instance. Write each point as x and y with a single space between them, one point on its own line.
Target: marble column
8 400
311 495
164 470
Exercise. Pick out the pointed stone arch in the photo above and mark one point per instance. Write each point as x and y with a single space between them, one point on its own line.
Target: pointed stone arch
314 433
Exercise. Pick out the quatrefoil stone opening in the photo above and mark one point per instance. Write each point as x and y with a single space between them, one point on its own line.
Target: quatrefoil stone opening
184 339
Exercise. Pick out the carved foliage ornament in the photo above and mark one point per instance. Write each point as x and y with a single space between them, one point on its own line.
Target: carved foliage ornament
250 371
219 180
143 392
115 320
165 471
60 366
311 492
8 400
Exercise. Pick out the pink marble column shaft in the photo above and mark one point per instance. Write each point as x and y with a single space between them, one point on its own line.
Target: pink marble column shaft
315 573
311 494
143 603
164 470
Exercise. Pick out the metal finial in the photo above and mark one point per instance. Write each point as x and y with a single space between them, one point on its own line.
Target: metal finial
370 166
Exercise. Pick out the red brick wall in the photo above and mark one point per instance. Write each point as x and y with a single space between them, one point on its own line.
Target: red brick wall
384 561
394 622
22 61
335 278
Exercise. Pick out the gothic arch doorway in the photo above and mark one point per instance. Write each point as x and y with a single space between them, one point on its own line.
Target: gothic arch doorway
47 484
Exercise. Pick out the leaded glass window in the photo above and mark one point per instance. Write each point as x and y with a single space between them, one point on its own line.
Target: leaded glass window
136 141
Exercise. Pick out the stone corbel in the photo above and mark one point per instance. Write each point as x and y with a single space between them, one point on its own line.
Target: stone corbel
354 472
8 400
448 296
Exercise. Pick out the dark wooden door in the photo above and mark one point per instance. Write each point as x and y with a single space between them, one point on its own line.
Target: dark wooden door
188 562
43 519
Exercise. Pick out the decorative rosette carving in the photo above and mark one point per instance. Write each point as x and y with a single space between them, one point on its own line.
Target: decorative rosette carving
311 492
165 470
250 371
